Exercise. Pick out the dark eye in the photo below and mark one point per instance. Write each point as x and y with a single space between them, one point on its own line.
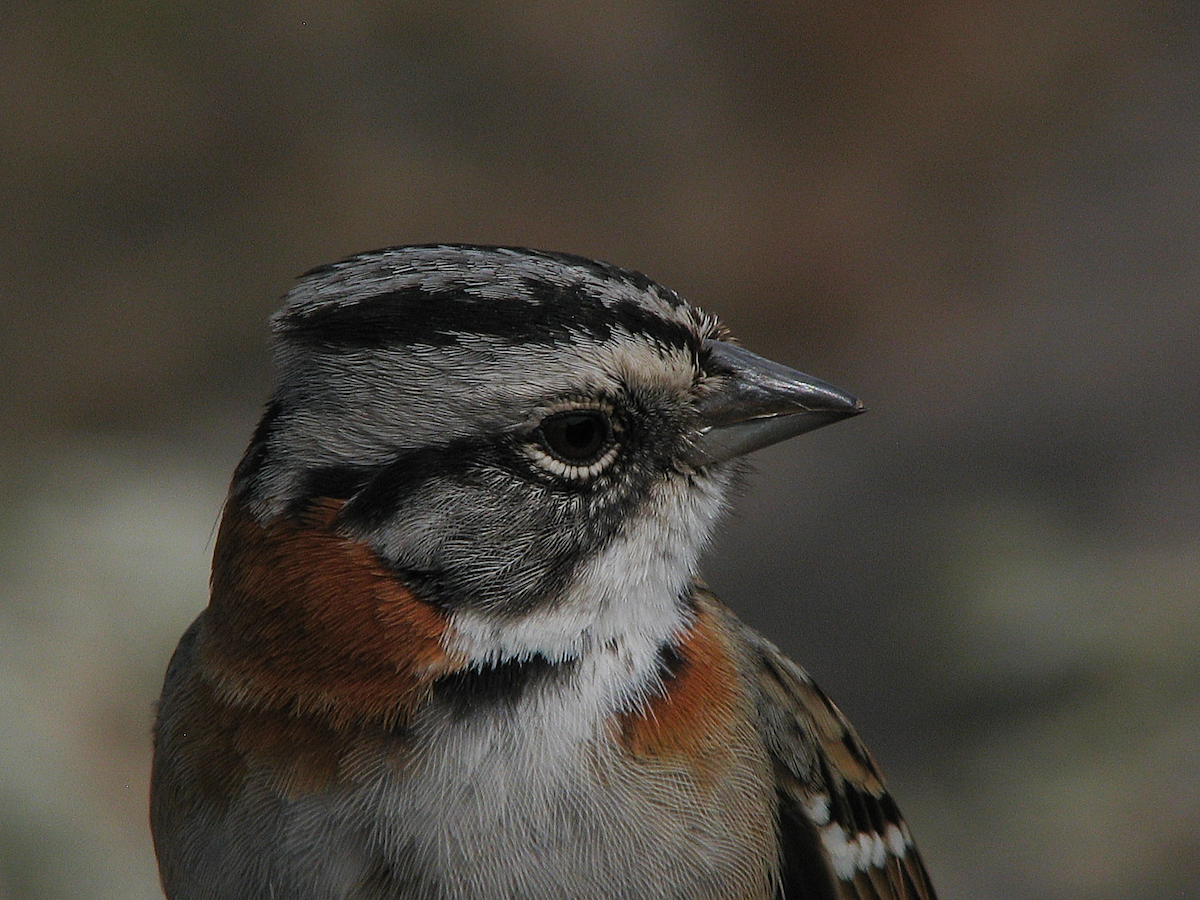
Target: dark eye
578 437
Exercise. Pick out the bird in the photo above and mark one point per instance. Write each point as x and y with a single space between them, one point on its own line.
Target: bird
457 646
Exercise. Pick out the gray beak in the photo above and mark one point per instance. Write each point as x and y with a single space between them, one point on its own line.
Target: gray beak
756 403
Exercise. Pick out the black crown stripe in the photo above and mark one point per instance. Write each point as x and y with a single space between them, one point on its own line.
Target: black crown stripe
544 313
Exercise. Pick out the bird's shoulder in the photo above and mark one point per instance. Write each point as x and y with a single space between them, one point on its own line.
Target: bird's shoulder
841 835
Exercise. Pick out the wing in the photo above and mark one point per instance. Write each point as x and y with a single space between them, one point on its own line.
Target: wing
841 834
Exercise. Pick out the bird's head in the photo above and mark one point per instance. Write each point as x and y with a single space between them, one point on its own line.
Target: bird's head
535 444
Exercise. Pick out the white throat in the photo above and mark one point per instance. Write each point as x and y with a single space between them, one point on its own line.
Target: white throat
623 605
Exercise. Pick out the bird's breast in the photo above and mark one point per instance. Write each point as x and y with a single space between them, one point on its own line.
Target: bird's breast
528 792
522 786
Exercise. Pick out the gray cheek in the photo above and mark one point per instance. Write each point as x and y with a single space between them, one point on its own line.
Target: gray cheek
498 546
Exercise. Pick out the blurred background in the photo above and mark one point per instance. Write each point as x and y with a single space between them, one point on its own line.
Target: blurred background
979 216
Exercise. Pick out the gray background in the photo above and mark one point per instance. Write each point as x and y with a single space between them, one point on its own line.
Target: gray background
980 216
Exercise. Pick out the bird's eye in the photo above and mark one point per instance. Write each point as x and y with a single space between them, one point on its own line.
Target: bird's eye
576 443
578 437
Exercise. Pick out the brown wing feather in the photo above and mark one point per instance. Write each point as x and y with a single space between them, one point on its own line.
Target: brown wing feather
841 835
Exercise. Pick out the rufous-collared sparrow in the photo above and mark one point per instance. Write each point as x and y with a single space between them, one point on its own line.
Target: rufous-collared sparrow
456 646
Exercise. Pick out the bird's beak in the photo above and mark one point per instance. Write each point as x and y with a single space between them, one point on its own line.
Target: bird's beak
756 403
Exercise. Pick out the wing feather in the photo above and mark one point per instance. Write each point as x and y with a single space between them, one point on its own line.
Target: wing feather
841 834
